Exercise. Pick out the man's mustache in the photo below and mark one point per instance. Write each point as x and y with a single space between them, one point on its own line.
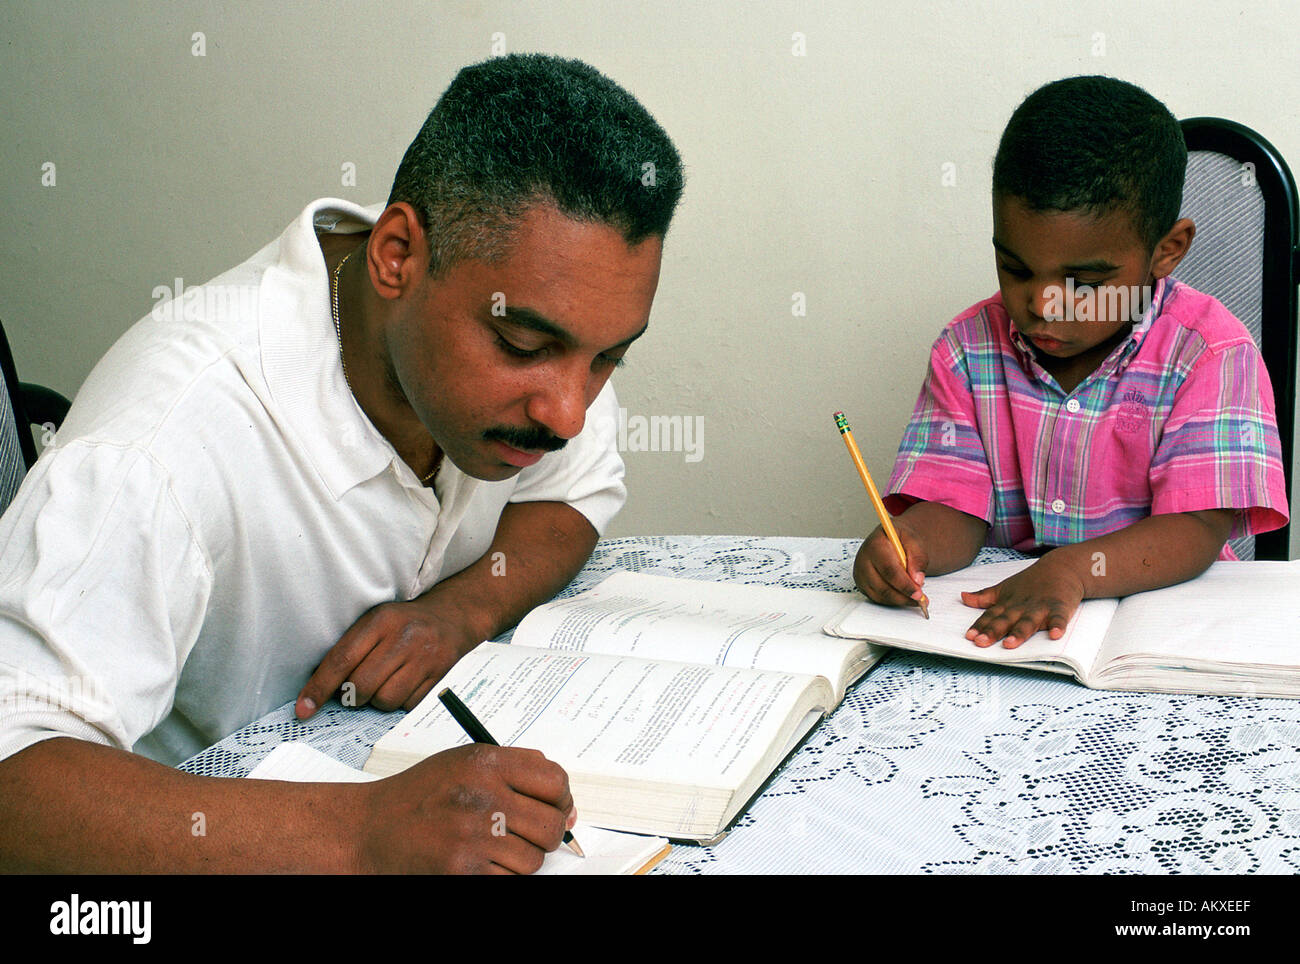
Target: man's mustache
527 439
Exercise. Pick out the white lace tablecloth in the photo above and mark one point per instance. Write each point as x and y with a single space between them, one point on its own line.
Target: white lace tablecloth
941 766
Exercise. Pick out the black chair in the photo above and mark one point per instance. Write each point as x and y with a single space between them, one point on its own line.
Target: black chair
1242 197
22 405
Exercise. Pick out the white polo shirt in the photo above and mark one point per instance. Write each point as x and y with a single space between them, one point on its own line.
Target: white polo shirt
217 510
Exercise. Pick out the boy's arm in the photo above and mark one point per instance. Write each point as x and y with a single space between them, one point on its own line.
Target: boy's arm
1152 553
937 539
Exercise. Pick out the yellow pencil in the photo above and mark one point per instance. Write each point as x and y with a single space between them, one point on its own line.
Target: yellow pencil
843 425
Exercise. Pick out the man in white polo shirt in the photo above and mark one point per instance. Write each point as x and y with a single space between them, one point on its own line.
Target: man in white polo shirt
343 463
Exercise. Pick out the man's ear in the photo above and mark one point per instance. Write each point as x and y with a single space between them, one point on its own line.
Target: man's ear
397 254
1172 248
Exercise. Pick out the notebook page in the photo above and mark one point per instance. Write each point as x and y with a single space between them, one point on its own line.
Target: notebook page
607 852
1237 612
300 763
945 631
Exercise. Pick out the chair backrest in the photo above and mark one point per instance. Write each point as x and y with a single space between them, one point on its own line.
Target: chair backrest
17 450
1241 195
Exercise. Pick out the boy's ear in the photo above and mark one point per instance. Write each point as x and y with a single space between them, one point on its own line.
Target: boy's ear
1172 248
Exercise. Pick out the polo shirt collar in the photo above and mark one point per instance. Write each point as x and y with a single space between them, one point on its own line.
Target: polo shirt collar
300 355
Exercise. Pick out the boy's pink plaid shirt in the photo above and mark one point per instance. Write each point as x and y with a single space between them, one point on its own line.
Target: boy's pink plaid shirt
1178 418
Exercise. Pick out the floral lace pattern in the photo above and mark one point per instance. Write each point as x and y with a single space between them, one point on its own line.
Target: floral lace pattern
940 766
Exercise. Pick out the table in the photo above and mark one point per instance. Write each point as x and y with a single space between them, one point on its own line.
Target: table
940 766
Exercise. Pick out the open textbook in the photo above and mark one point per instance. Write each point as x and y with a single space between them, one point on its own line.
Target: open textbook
669 702
606 852
1235 630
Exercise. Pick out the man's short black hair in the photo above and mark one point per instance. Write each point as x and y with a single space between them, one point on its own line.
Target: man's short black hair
1095 144
524 129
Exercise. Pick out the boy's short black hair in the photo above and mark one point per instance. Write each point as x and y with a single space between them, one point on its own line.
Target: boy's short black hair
525 129
1095 144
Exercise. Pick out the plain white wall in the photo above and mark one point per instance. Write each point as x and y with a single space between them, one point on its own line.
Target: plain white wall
817 139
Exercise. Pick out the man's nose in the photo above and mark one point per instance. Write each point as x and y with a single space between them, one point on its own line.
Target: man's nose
560 405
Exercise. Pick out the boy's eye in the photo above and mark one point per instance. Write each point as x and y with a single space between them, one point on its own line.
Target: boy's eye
609 361
1081 285
1013 270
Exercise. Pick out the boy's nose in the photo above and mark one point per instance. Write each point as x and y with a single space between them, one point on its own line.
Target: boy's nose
1045 302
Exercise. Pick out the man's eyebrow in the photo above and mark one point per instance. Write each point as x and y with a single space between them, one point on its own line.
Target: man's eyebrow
1095 266
627 341
535 321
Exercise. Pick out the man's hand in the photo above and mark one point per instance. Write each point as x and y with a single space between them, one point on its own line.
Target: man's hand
396 652
1042 596
474 809
391 657
880 574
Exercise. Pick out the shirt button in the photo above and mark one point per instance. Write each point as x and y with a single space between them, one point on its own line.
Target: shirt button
1072 406
1058 506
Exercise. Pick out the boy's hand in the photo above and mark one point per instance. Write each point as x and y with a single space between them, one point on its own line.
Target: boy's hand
936 538
879 574
1043 596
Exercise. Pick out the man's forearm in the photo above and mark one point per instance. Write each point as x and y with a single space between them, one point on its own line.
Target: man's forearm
537 550
69 806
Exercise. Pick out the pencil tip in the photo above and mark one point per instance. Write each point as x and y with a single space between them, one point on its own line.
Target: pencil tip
572 843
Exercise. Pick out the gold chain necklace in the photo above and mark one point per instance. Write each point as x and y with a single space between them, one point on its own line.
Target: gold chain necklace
338 333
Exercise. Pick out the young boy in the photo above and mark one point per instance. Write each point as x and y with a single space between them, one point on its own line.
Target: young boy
1095 408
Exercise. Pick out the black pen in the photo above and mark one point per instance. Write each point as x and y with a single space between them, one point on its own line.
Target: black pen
479 734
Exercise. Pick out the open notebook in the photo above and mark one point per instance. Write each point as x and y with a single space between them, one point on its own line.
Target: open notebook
1234 630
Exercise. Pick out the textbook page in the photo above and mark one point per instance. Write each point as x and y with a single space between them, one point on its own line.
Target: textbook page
615 717
693 621
945 631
